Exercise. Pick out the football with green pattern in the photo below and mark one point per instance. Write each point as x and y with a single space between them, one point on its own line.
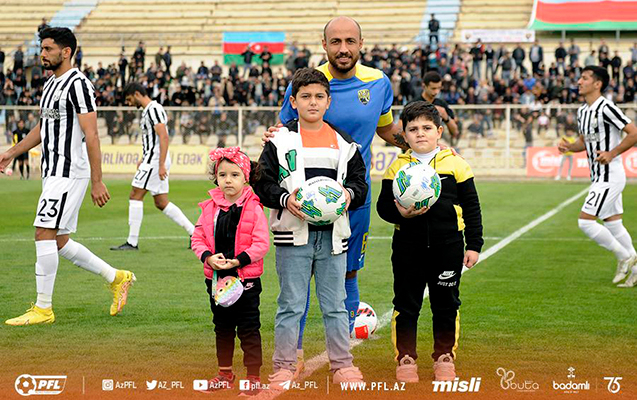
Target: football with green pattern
322 200
416 184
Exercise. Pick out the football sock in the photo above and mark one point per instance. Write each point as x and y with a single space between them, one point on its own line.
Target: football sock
22 170
352 300
135 217
83 258
299 345
28 171
46 268
621 234
600 234
173 212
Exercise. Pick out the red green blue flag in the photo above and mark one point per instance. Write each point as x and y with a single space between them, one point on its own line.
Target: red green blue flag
574 15
235 43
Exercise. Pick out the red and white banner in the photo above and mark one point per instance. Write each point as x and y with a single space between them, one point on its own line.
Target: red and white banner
545 161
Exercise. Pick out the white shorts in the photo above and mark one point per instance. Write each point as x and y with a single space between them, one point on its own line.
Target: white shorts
604 199
147 178
60 203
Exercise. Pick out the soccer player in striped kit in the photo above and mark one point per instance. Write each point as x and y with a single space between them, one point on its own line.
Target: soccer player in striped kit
70 158
152 170
600 124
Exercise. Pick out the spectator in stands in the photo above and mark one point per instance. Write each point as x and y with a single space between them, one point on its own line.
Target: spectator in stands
628 72
629 91
603 50
518 56
573 52
590 60
489 55
477 52
139 56
247 55
168 60
42 26
266 56
122 64
507 65
2 56
536 55
216 71
18 59
560 57
79 55
616 64
159 57
434 27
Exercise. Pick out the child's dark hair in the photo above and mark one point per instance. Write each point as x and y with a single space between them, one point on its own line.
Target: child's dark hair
418 109
255 172
308 76
599 74
63 37
131 88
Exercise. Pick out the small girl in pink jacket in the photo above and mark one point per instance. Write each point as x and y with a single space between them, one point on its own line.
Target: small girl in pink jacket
231 238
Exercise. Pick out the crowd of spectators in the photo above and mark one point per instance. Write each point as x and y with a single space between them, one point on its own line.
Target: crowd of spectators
472 74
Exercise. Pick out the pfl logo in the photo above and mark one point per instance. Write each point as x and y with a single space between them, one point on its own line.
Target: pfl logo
27 385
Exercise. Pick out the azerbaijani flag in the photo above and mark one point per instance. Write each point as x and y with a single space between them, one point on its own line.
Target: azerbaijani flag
235 43
575 15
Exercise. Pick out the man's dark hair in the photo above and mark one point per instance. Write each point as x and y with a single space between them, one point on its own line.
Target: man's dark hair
599 74
308 76
63 37
133 87
431 76
420 109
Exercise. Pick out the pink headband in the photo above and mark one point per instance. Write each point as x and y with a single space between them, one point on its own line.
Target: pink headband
234 155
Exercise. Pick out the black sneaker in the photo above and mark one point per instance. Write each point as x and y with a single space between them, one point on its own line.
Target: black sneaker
125 246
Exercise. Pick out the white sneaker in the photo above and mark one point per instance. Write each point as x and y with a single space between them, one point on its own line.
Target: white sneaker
631 281
623 266
281 379
444 368
557 178
568 178
349 374
407 370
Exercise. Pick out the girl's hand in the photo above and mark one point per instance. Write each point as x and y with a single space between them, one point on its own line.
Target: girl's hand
410 212
216 261
231 264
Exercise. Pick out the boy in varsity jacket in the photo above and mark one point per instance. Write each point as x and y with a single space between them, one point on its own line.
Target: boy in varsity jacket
304 149
428 248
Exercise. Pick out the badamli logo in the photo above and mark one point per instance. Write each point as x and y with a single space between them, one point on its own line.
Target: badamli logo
27 385
507 383
570 386
457 385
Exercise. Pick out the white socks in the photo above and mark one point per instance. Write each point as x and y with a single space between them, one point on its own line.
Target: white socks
83 258
46 268
621 234
135 216
173 212
600 234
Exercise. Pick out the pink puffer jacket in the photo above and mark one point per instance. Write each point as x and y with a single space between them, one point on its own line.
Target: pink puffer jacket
253 235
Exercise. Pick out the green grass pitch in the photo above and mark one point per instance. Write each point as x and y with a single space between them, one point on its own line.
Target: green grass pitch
541 305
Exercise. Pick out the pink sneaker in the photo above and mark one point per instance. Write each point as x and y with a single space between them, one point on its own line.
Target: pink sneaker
444 368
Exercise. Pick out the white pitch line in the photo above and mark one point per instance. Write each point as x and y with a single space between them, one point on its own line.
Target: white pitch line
318 361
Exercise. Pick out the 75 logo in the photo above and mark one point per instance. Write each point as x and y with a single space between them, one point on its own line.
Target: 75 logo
613 383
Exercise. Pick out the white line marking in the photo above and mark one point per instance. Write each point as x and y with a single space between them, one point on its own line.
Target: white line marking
318 361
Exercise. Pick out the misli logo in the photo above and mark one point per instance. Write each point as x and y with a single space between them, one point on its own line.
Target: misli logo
27 385
457 385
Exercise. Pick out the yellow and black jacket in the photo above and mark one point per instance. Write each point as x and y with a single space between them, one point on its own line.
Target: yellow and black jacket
457 209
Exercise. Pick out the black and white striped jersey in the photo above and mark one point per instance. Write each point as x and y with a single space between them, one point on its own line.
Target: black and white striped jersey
63 142
152 115
601 125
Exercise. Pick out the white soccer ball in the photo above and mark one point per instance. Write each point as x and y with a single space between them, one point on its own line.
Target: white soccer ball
8 171
416 184
365 323
322 200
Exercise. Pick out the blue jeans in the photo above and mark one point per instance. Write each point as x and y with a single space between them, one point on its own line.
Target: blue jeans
295 266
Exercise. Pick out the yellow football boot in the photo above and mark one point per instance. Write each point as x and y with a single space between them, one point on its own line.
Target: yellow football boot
34 315
119 287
